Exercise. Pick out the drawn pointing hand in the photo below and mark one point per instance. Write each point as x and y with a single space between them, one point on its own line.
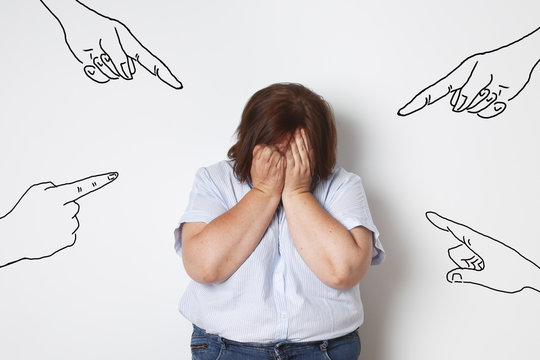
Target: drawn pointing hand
105 46
44 220
485 261
484 83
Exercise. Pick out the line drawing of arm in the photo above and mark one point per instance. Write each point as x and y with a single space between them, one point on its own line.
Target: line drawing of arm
485 261
105 47
484 83
44 219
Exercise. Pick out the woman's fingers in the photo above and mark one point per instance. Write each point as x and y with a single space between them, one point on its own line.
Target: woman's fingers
295 151
302 143
299 152
268 159
309 149
256 152
267 169
275 158
295 162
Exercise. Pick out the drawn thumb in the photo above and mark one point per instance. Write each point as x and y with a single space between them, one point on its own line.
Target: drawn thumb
42 186
465 276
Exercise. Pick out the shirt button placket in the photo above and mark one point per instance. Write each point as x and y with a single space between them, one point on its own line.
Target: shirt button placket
279 291
279 298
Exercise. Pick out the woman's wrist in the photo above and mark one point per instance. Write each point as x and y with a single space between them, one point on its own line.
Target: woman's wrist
292 195
266 195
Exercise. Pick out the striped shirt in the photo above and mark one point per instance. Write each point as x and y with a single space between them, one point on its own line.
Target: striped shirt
274 295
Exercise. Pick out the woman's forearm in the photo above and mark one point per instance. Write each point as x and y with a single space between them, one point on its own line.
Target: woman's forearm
213 252
338 257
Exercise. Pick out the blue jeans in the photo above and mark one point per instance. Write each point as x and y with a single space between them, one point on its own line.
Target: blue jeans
206 346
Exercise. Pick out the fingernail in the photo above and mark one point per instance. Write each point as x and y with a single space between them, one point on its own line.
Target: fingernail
499 106
125 69
456 278
112 176
460 103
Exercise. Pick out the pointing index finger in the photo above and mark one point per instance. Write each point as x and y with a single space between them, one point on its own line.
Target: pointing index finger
146 59
459 231
75 190
456 79
471 238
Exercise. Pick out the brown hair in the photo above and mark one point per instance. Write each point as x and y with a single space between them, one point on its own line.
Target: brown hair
278 110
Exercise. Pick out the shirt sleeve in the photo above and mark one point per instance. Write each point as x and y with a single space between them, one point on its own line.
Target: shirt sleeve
347 202
205 204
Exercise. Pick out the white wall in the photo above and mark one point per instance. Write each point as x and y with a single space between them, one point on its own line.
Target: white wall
114 294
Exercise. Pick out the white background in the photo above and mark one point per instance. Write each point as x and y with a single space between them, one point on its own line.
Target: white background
115 293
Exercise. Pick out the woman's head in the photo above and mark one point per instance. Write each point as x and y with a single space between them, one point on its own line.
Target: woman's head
273 114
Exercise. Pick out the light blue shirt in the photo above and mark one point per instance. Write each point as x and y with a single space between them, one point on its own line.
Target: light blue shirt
274 295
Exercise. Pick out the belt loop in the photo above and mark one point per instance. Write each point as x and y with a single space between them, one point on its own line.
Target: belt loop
277 353
222 342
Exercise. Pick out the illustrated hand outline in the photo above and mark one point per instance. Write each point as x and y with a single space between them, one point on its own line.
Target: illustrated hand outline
106 47
44 220
485 261
484 83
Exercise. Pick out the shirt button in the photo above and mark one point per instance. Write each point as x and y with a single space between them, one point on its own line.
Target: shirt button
283 315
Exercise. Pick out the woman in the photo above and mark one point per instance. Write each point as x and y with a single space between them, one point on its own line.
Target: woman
276 239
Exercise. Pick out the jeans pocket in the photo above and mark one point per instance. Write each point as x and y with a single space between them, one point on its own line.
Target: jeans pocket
205 348
344 348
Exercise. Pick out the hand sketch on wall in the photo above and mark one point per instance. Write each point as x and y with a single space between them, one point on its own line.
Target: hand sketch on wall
485 261
44 220
104 46
484 83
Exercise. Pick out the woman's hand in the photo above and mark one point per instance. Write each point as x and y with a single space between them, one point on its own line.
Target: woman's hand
299 169
268 170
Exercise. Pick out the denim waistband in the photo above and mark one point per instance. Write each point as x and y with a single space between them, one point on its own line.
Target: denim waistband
284 344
